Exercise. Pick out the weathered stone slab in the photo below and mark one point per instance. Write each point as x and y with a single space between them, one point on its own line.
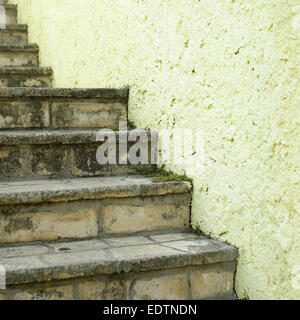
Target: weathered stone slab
90 218
146 214
67 108
56 154
34 192
19 56
14 35
25 77
169 287
24 114
214 282
118 259
10 13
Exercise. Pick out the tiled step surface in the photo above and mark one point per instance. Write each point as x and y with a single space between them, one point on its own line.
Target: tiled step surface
19 56
14 35
91 207
156 266
10 13
29 108
25 77
62 154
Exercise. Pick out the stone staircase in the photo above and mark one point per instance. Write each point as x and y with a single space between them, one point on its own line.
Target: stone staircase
73 229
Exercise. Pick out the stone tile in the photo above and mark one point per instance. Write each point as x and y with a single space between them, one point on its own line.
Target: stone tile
189 246
140 252
24 114
212 281
22 251
78 246
167 237
103 290
62 292
171 287
87 114
131 216
128 241
48 226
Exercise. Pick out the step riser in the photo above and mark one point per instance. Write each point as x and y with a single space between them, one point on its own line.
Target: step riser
16 80
13 38
57 161
18 59
213 281
10 14
93 218
57 114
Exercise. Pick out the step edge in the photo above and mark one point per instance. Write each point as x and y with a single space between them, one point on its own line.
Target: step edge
25 48
137 189
223 253
15 27
47 71
22 92
62 137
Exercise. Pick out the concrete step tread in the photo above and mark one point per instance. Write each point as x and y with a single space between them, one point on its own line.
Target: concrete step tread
58 261
16 27
77 136
25 48
26 71
21 92
62 190
9 6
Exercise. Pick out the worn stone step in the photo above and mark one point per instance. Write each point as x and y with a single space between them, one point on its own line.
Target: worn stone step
172 266
30 108
64 154
10 13
25 77
90 208
14 35
19 56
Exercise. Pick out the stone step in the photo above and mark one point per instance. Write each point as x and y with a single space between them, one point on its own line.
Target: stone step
25 77
30 108
10 13
90 208
63 154
14 35
19 56
169 266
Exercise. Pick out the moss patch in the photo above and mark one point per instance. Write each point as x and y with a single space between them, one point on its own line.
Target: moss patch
162 175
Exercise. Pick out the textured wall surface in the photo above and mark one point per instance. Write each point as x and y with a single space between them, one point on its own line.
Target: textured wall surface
227 67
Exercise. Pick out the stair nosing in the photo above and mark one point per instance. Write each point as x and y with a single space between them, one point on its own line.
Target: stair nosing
95 188
20 48
47 71
65 137
9 6
16 26
22 92
72 265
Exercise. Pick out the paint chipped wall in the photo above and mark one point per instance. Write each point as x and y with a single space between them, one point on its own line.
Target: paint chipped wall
229 68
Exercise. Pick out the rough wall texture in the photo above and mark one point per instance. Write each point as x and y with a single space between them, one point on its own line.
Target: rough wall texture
229 67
